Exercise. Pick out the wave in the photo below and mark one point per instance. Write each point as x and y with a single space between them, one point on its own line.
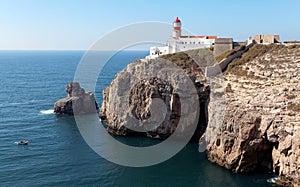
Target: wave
50 111
272 180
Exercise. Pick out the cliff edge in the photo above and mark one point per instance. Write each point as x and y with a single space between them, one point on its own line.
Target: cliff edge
134 96
250 115
260 128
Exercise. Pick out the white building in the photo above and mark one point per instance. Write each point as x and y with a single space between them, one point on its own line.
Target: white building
179 43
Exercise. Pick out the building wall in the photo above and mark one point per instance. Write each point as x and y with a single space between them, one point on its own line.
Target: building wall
184 44
222 45
159 50
238 44
277 38
266 38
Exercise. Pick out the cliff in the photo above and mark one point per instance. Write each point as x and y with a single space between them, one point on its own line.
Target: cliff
136 94
77 102
260 128
250 115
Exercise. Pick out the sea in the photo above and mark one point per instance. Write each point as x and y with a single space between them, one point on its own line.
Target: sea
57 155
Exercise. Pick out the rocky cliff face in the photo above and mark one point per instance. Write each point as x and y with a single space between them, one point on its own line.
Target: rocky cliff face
253 111
152 90
260 128
77 102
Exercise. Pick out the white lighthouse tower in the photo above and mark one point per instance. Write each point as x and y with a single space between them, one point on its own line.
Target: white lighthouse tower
179 42
177 28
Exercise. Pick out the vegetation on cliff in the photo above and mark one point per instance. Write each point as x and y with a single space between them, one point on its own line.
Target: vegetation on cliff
254 52
261 126
192 58
129 98
229 53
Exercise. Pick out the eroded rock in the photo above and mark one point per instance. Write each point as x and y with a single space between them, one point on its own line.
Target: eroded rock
149 98
77 102
260 126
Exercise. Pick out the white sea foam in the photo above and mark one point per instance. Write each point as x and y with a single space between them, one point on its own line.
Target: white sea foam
50 111
272 180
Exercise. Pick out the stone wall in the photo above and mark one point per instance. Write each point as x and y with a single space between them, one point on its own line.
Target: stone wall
222 45
216 69
266 38
238 44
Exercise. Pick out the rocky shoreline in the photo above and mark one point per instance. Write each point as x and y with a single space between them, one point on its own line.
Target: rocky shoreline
261 127
249 116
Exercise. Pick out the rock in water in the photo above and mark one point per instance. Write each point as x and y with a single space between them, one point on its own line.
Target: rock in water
77 102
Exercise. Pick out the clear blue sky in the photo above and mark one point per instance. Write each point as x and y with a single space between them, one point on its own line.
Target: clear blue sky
74 24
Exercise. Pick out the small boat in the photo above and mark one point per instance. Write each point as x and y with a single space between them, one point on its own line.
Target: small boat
23 142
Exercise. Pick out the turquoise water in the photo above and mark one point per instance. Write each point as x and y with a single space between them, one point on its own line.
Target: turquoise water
31 81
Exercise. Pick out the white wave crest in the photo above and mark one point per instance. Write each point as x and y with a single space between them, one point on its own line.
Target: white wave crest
272 180
50 111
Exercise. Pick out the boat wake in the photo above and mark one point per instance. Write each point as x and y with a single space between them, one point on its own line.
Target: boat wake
50 111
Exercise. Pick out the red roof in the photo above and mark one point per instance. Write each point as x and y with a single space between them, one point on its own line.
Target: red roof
212 37
177 20
207 37
192 36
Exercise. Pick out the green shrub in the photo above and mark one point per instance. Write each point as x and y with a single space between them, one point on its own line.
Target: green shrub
256 51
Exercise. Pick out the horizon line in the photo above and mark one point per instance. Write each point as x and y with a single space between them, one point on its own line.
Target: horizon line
71 50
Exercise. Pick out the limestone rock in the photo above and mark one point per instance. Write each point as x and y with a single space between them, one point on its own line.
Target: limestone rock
147 98
77 102
252 120
260 128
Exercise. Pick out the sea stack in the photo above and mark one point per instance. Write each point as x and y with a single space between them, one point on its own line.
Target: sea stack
77 102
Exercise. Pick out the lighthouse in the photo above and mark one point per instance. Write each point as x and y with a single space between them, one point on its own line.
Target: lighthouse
177 28
179 42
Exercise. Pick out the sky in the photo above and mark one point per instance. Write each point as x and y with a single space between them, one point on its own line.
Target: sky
77 24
